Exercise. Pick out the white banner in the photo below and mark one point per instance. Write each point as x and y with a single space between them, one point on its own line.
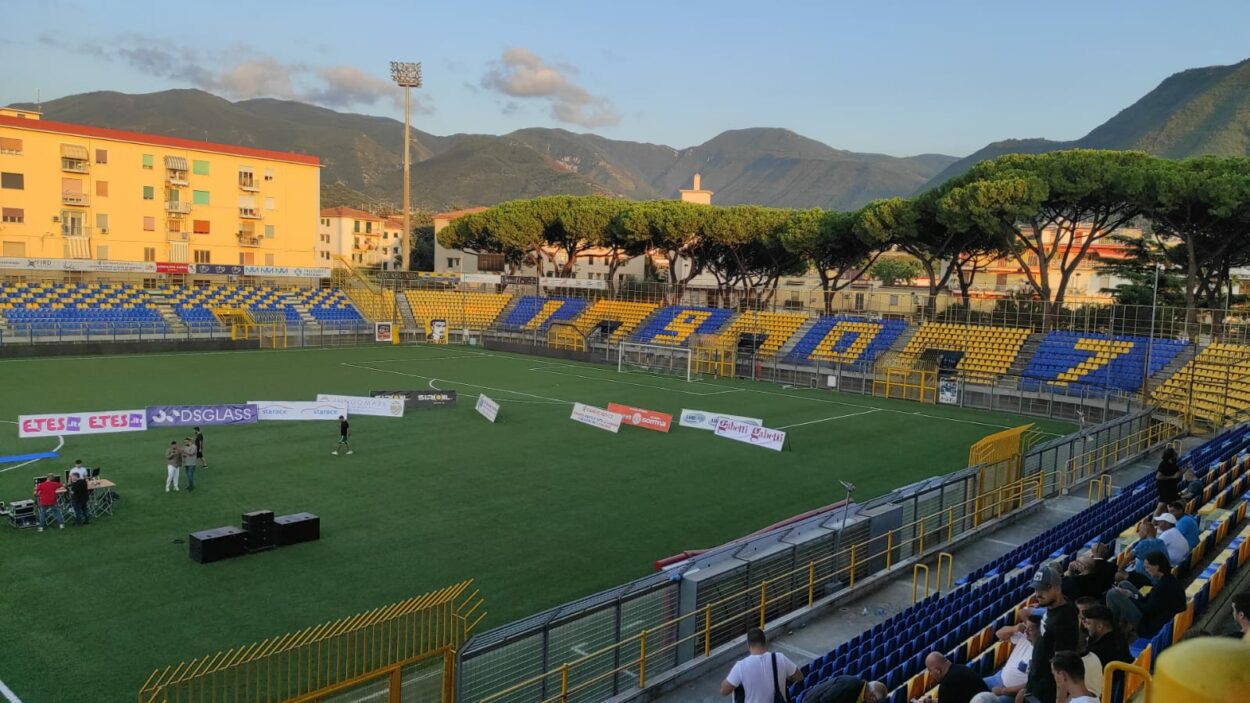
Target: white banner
11 262
102 422
751 434
286 271
596 417
297 410
586 283
703 420
366 405
492 278
487 408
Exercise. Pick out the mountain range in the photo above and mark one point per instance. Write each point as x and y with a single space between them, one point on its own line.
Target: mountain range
1198 111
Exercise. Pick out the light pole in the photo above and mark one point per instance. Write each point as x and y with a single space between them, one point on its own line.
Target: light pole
406 75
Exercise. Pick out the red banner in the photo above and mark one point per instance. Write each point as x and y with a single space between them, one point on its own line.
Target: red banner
647 419
167 267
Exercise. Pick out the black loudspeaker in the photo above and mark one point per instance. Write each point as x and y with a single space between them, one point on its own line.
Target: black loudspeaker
259 528
300 527
217 544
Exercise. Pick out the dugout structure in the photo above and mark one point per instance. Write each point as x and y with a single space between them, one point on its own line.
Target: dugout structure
565 335
267 327
896 377
714 355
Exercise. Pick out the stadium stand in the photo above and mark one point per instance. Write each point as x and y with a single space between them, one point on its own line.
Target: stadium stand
194 306
674 325
1094 362
623 315
845 339
774 327
328 306
77 308
533 312
461 310
1220 377
962 622
375 306
988 351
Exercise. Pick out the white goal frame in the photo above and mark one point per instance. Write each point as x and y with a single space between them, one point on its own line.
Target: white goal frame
634 357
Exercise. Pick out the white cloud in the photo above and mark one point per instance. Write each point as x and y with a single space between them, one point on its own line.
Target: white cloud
521 73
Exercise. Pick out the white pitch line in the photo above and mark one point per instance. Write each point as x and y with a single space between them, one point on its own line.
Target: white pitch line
826 419
60 442
459 383
541 369
8 694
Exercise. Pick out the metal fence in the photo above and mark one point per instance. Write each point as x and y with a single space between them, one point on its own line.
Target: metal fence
620 639
304 334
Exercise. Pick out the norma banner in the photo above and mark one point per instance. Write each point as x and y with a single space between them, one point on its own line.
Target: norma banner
487 408
383 332
751 434
703 420
366 405
638 417
103 422
196 415
267 410
596 417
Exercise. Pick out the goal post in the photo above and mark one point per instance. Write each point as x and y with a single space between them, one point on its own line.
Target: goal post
633 357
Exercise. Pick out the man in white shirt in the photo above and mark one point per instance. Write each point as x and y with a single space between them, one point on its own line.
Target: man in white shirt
78 470
1069 671
1005 684
761 674
1178 546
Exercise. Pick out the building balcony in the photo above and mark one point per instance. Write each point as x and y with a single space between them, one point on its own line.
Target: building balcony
177 207
250 187
248 240
177 178
79 199
250 213
177 236
75 232
76 165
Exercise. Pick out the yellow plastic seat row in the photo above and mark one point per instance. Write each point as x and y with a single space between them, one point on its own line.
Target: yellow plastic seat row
777 326
630 315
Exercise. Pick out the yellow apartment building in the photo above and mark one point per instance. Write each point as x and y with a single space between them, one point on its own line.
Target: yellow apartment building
74 192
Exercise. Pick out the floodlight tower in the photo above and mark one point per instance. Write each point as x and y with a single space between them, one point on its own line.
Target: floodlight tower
406 75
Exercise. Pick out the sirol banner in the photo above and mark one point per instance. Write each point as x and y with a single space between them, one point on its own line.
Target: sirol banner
196 415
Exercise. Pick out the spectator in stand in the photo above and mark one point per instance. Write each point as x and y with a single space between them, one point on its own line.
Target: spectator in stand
1241 614
1185 523
1087 577
1005 684
1147 542
762 674
847 689
1192 487
1105 639
1068 673
1103 566
45 492
956 682
1060 631
1150 613
79 490
1168 478
985 698
1177 545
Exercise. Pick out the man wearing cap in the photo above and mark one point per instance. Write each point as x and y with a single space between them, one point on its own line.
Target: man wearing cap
1177 545
1059 632
1185 522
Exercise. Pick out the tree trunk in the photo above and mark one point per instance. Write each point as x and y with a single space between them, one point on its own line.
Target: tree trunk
1191 282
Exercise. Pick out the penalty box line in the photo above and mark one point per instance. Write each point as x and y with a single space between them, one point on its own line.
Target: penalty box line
432 379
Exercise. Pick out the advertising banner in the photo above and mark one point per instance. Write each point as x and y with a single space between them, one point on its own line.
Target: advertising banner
582 283
751 434
490 278
438 331
383 332
103 422
703 420
366 405
267 410
286 271
217 269
19 262
487 408
196 415
170 267
420 399
638 417
520 280
948 389
596 417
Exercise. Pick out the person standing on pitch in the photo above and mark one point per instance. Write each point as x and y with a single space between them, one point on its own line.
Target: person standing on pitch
189 461
173 456
344 435
199 449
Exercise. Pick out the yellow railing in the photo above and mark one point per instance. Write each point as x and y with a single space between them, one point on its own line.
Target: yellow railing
1098 461
796 587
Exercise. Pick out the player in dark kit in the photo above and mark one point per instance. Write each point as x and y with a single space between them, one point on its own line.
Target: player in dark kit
344 433
199 449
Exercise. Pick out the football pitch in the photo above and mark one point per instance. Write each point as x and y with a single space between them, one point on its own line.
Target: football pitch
537 508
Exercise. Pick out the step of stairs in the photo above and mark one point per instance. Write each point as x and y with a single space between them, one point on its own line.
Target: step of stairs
793 341
1030 347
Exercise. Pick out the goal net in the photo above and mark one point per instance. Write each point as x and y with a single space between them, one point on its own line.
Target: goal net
649 358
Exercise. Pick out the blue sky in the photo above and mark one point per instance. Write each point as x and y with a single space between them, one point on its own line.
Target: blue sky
896 77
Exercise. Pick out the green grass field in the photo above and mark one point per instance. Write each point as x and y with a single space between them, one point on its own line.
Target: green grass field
537 508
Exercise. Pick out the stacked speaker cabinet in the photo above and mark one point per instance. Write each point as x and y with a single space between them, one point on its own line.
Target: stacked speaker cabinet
300 527
259 527
260 531
217 544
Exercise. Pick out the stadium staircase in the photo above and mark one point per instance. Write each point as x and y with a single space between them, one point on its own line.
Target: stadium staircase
904 338
1026 354
406 318
784 351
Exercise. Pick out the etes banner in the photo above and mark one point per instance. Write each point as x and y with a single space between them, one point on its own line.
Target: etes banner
487 408
703 420
103 422
596 417
196 415
366 405
751 434
638 417
269 410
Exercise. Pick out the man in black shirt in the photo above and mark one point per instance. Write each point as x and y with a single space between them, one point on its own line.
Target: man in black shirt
344 433
847 689
78 492
1157 608
956 682
1059 632
1105 639
199 449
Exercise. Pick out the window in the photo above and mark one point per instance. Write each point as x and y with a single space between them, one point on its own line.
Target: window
101 251
199 197
102 188
453 262
102 222
269 259
269 174
101 157
356 225
368 228
17 249
13 181
271 204
355 242
893 301
199 168
149 193
13 215
199 226
148 161
268 231
173 226
149 224
149 253
150 283
202 256
325 221
9 145
247 178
